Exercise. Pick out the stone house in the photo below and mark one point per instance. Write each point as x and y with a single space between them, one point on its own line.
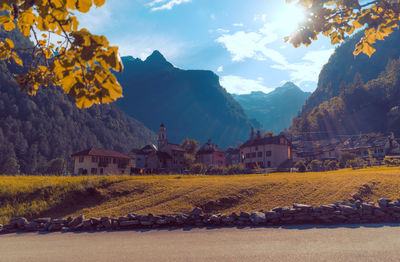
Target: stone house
232 156
164 157
210 155
272 152
98 161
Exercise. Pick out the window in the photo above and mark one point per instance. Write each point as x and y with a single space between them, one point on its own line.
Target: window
80 171
259 154
269 163
256 148
268 153
261 164
81 158
94 171
94 159
101 171
114 160
254 154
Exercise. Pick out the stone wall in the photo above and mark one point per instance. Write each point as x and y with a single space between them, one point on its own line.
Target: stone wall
387 211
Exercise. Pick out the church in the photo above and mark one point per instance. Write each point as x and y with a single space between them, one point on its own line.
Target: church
165 156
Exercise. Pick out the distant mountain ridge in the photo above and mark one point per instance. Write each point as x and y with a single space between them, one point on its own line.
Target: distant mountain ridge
276 109
191 103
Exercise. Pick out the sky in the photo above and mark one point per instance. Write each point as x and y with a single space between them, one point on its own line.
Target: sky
241 41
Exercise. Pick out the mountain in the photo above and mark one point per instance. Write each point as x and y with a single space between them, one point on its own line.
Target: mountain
37 129
191 103
276 109
354 95
343 66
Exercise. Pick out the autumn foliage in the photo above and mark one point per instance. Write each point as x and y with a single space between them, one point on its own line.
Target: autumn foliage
340 18
80 62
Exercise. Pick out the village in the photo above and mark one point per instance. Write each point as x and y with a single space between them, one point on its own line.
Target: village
265 153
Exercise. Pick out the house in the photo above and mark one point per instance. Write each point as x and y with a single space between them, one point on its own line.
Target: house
164 157
271 152
232 156
139 156
175 151
210 155
98 161
361 146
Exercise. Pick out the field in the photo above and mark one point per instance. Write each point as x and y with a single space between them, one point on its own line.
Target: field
119 195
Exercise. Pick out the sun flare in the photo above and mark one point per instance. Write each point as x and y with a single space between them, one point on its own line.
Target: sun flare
290 17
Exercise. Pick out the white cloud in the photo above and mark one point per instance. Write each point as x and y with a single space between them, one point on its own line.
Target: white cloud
239 85
213 17
309 68
253 45
238 25
222 31
157 5
220 69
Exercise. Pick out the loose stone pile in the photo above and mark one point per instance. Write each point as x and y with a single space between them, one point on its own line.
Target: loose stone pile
338 213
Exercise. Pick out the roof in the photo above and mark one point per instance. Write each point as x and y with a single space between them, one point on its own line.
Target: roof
176 147
101 152
162 155
273 140
208 148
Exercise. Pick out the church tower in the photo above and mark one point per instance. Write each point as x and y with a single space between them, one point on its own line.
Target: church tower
162 137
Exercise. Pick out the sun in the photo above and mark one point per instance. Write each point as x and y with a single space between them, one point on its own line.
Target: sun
290 17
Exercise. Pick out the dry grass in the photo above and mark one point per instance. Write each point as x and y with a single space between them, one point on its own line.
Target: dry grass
116 196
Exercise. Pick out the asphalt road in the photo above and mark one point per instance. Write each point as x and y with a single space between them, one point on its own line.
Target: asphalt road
341 243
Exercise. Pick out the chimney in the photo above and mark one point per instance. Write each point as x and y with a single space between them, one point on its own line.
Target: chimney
252 133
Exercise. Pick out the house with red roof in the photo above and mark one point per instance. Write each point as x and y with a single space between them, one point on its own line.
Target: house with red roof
98 161
210 155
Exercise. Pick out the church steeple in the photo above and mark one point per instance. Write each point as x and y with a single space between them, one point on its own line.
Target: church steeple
162 136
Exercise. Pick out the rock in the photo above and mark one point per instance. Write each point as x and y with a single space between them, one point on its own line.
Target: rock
258 218
196 212
132 216
384 202
87 224
244 215
19 222
146 223
122 219
272 215
379 213
347 210
77 221
55 227
277 209
95 221
162 221
129 223
215 220
302 207
42 220
106 223
32 226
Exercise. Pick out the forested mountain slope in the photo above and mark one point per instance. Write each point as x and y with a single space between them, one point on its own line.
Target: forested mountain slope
36 129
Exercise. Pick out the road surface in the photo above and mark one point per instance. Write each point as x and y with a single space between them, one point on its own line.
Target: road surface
339 243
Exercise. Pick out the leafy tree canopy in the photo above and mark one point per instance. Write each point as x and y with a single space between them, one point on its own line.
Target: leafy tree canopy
80 63
340 18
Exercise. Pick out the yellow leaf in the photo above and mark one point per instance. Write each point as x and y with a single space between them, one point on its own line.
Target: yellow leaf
17 59
84 5
9 42
99 2
9 26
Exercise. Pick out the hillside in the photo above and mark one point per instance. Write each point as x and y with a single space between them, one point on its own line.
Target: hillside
36 129
191 103
116 196
276 109
343 66
354 95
